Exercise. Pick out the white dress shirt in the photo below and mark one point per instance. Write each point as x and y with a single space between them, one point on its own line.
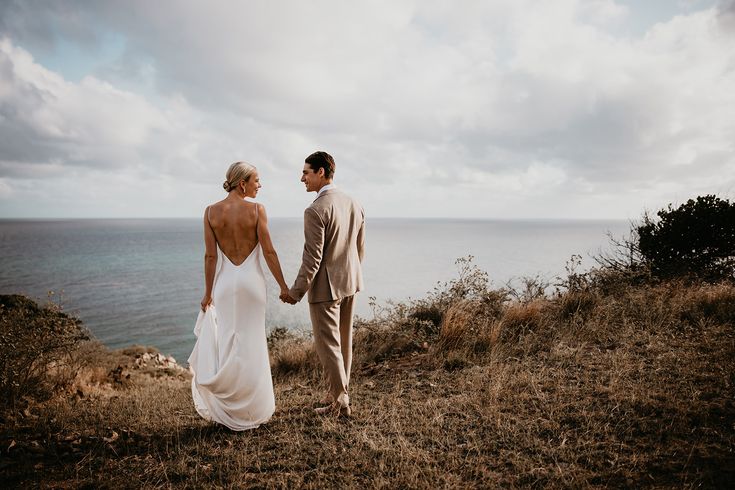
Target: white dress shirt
326 188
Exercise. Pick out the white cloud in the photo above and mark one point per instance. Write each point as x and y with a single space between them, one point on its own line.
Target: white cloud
90 123
602 12
540 104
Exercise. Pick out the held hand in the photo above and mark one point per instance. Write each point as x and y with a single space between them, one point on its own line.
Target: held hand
206 301
284 293
286 298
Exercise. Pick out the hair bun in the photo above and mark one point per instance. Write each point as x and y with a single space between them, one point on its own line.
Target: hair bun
238 172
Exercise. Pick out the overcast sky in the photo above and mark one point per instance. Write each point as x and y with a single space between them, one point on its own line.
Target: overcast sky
470 109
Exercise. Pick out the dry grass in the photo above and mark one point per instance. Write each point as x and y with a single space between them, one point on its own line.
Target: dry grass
634 388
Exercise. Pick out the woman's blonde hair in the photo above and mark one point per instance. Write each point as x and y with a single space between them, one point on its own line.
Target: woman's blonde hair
238 171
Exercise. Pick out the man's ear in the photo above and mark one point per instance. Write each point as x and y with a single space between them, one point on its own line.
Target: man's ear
320 172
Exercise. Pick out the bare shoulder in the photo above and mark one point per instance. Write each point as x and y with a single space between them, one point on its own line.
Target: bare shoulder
216 205
214 209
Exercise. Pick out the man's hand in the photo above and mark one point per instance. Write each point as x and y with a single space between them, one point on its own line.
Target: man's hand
286 298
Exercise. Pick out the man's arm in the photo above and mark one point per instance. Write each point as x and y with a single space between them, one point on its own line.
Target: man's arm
361 238
312 257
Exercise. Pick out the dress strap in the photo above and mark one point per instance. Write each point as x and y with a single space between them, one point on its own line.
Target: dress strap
256 220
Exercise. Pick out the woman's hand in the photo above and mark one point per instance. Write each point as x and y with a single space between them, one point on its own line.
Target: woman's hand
285 297
206 301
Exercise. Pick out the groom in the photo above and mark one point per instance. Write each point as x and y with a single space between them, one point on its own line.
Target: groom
334 243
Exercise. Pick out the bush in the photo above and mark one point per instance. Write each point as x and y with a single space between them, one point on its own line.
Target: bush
33 341
404 327
697 239
471 283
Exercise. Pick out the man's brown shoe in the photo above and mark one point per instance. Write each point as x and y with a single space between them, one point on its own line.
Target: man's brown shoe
334 409
327 400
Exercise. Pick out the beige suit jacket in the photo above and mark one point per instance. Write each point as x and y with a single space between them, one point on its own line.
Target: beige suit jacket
334 244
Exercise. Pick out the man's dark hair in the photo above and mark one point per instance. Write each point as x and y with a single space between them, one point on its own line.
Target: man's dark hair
321 159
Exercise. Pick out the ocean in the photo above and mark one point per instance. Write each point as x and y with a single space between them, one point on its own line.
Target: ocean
140 281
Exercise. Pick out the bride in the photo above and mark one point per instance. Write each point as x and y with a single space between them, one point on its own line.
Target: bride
232 379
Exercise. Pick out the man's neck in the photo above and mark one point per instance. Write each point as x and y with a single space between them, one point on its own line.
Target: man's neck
327 185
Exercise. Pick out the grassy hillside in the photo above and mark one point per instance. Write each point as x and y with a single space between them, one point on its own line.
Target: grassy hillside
609 381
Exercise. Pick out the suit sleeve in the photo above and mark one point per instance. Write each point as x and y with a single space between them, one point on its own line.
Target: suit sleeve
361 238
312 256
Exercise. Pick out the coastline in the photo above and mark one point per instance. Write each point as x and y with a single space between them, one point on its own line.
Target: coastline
141 283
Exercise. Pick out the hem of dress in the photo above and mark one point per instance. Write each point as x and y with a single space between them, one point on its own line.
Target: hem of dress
243 428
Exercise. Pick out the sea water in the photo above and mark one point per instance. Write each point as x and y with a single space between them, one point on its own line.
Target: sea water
140 281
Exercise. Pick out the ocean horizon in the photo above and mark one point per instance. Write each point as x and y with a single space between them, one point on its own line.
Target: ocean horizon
140 280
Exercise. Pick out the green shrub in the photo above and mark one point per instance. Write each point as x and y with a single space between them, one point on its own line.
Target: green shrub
697 238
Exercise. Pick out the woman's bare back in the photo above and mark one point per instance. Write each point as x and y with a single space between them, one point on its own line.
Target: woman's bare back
234 226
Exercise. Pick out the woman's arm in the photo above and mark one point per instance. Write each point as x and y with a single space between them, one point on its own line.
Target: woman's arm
269 252
210 260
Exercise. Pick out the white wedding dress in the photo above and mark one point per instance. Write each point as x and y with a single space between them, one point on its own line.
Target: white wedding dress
232 382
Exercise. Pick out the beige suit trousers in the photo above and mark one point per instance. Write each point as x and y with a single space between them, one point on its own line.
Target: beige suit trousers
332 324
